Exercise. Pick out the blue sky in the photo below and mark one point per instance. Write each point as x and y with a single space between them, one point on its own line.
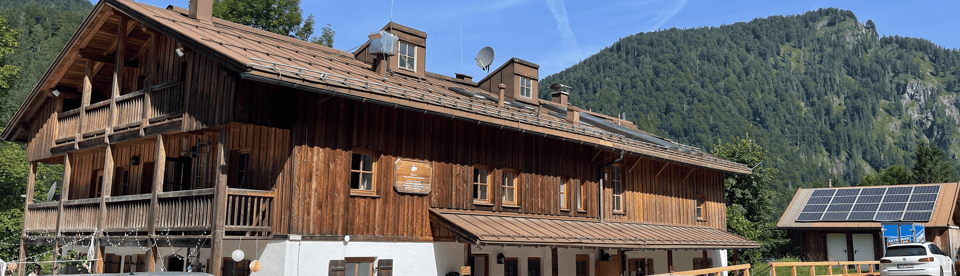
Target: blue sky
557 34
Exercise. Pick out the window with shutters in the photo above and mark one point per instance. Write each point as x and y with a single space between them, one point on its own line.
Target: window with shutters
362 180
617 185
481 184
385 267
358 267
508 189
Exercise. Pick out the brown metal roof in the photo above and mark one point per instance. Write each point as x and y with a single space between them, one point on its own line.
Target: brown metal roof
268 57
942 215
488 228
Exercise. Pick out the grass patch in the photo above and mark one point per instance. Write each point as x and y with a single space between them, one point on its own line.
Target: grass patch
763 269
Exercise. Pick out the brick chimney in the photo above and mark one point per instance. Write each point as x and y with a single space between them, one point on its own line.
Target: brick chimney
464 77
560 97
573 115
201 10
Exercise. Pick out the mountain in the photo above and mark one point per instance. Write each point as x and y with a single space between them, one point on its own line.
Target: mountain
823 93
43 28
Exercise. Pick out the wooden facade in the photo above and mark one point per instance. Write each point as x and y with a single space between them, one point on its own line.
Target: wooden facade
172 137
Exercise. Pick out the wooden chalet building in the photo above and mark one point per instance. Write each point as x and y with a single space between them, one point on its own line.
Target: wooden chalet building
185 138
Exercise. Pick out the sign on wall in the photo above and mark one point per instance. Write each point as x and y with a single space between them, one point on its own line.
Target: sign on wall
412 176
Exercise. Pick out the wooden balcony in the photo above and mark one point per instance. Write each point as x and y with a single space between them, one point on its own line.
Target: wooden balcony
181 211
149 111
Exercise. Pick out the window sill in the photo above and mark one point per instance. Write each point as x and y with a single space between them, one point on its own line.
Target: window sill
701 220
357 193
582 211
619 213
564 210
511 206
480 203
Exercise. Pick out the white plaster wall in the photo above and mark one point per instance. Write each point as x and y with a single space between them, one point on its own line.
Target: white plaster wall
660 263
313 257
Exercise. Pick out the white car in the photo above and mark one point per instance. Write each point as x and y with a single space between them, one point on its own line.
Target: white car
915 259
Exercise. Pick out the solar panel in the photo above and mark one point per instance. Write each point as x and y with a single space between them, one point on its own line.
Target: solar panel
809 216
917 216
861 216
922 206
923 197
824 192
892 206
835 216
869 199
869 207
927 189
848 192
843 200
819 200
873 191
814 208
888 216
896 198
841 208
899 190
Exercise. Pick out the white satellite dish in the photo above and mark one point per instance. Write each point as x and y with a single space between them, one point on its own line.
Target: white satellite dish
51 192
485 58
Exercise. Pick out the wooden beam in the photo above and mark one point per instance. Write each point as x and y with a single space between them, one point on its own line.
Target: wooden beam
95 56
220 199
64 196
635 164
105 188
688 174
117 75
661 169
158 172
31 181
148 85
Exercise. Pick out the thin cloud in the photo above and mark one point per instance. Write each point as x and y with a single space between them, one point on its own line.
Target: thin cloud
667 14
572 47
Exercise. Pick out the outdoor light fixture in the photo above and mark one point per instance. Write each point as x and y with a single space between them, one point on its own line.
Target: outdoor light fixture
134 160
56 93
179 51
500 258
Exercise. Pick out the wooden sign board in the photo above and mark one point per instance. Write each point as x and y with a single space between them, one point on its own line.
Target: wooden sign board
412 177
464 270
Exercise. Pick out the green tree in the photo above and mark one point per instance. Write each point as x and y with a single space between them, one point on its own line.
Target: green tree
8 43
749 198
931 166
326 36
278 16
894 175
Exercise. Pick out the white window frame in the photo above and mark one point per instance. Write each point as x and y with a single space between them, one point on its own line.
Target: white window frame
528 87
413 66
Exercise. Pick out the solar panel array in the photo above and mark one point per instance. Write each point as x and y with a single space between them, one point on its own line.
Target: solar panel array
893 203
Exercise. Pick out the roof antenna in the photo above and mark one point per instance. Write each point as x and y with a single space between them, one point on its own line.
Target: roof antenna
391 10
461 46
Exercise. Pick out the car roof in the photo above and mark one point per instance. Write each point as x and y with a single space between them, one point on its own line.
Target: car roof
909 244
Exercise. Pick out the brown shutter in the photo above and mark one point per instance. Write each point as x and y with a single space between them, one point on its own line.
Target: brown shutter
385 267
649 269
338 268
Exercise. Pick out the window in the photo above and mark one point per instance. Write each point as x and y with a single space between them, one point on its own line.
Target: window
481 185
361 173
508 190
698 263
617 189
240 169
580 194
97 184
510 267
526 86
176 175
359 266
563 195
478 265
533 266
583 262
641 266
407 59
701 203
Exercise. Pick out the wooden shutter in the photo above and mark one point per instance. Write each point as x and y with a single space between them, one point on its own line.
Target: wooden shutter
129 264
385 267
649 269
141 263
338 268
112 263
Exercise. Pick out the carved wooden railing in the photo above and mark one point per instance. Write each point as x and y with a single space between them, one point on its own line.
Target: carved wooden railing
249 210
743 270
130 109
68 123
42 217
81 215
185 210
127 213
862 268
97 118
167 99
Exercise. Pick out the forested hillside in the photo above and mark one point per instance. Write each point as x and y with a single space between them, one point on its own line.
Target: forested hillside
821 92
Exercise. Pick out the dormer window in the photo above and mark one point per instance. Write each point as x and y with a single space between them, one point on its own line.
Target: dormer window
526 86
407 58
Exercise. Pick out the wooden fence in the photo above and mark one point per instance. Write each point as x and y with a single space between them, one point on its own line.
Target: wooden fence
863 268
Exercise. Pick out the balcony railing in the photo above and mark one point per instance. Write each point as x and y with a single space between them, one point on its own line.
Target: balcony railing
192 210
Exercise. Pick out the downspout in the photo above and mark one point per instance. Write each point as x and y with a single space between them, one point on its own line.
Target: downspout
600 187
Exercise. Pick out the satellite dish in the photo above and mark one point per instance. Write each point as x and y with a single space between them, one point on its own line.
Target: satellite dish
53 190
485 58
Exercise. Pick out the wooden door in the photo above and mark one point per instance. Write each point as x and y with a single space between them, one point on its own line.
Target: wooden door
480 264
146 178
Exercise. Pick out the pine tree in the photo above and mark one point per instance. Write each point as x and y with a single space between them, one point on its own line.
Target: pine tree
931 166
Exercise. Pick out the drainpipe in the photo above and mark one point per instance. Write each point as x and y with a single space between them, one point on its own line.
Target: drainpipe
600 187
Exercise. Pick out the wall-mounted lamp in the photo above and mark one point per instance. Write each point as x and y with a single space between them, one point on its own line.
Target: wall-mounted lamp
56 93
500 258
179 51
134 160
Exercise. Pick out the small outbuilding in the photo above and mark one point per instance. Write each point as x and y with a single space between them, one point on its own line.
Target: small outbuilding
844 224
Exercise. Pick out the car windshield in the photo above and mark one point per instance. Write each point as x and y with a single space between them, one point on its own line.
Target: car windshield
906 251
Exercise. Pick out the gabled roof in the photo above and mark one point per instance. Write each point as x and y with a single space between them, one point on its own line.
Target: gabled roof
942 216
267 57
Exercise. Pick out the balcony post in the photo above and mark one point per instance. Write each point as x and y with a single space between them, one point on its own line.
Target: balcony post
117 74
87 89
105 190
64 195
220 200
148 85
158 172
31 179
